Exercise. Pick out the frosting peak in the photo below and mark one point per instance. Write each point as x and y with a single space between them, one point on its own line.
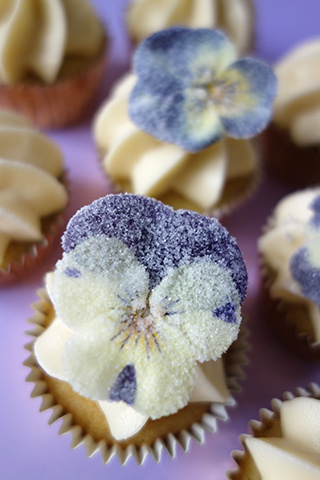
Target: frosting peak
37 35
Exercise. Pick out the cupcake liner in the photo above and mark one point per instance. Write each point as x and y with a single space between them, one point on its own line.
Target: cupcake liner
289 320
22 257
268 425
291 164
59 104
164 434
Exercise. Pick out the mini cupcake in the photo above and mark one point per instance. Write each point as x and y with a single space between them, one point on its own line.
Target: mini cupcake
234 17
177 128
144 303
292 140
32 195
290 254
285 443
49 70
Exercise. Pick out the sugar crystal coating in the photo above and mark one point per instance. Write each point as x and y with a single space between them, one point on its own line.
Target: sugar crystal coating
148 292
305 264
159 237
191 89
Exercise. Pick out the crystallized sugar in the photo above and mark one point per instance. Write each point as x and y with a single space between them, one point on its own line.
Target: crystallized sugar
148 292
159 237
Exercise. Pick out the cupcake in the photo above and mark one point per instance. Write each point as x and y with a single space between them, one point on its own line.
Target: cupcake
32 195
136 349
285 443
292 140
49 70
234 17
177 128
290 254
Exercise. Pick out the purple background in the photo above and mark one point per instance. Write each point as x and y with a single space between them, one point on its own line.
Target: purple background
29 448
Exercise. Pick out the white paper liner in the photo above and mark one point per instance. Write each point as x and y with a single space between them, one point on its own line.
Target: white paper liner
258 428
236 359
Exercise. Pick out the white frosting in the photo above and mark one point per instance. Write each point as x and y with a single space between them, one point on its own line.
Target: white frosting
235 17
143 165
123 420
296 454
30 164
286 234
37 35
297 105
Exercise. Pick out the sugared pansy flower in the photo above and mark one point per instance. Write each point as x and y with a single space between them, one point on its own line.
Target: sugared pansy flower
192 90
145 292
305 264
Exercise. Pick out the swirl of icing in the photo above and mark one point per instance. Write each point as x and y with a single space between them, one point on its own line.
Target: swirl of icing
36 36
294 454
235 17
297 104
290 247
30 165
139 163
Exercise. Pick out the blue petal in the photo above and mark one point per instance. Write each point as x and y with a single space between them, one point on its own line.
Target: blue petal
252 107
306 275
190 55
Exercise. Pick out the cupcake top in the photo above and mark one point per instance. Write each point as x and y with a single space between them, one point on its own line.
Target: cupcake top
36 37
30 166
143 293
295 453
297 105
290 247
176 114
235 17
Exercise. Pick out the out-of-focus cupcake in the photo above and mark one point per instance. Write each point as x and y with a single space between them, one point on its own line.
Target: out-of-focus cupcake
137 349
177 128
285 442
234 17
32 195
52 56
291 149
290 254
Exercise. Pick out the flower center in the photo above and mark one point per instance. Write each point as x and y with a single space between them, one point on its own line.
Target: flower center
138 326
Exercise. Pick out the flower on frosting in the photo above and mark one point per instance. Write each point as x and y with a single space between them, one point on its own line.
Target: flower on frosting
147 292
192 90
305 263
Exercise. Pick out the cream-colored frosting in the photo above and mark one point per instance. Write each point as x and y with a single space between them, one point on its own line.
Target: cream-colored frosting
235 17
123 420
141 164
296 454
37 35
30 165
287 232
297 105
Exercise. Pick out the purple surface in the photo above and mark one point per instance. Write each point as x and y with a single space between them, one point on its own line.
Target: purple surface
29 448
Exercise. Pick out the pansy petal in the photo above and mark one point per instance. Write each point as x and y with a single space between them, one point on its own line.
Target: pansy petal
248 88
190 55
201 300
167 375
103 363
86 286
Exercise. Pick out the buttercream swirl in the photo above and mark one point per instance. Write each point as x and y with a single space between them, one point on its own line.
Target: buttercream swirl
36 36
137 162
294 453
235 17
290 247
297 104
30 165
